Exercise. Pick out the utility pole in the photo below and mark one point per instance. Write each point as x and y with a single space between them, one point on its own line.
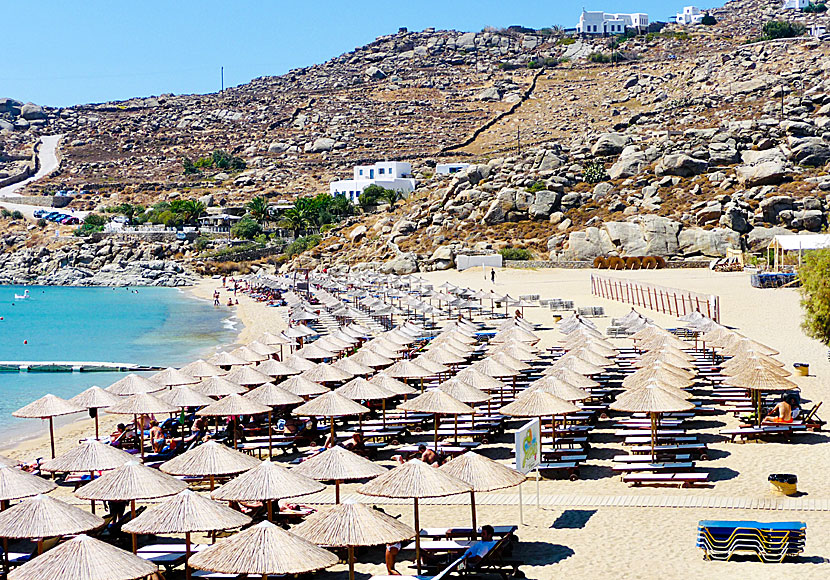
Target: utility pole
782 101
222 73
519 138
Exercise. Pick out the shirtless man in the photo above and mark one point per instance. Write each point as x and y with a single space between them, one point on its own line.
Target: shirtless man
781 413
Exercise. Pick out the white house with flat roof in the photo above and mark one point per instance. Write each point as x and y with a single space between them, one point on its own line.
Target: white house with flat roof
394 175
604 23
691 15
795 4
450 168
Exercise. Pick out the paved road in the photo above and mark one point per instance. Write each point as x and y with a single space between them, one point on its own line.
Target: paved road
48 163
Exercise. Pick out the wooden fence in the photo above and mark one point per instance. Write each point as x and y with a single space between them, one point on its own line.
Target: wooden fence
673 301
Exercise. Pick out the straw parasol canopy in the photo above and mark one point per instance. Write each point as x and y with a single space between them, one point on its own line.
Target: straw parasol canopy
186 512
509 361
654 372
91 455
171 377
47 407
439 403
271 339
208 460
248 354
759 379
43 516
141 404
370 358
406 369
297 362
430 365
233 405
359 389
248 377
483 474
571 376
263 550
226 359
131 481
353 367
743 363
338 464
218 387
538 404
392 384
416 480
275 368
266 482
330 405
94 398
462 391
201 368
183 396
326 373
85 558
443 356
480 380
272 395
133 384
314 352
578 364
493 368
16 484
303 387
654 400
556 386
352 524
262 348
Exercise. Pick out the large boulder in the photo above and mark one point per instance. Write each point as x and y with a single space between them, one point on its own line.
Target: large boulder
711 243
609 144
549 161
402 264
490 94
358 233
681 165
772 206
627 236
629 164
722 154
544 203
587 245
32 112
759 238
497 212
374 72
660 234
736 219
812 151
321 145
766 173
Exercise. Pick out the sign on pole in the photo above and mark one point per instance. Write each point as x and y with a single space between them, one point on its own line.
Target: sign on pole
528 455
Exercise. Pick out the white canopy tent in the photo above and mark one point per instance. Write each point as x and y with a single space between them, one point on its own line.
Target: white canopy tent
797 243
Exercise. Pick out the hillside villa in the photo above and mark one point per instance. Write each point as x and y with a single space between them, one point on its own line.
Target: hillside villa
603 23
691 15
394 175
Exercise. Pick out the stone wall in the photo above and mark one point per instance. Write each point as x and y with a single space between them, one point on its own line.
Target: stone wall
141 236
28 171
248 255
44 200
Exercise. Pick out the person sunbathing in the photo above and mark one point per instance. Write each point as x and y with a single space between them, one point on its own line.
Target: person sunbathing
478 550
781 413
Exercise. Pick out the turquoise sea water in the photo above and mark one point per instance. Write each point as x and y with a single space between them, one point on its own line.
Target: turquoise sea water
151 326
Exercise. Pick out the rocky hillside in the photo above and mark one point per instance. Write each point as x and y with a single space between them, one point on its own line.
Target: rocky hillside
699 140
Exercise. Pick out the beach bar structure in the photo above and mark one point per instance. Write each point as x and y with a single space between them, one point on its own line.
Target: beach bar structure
784 244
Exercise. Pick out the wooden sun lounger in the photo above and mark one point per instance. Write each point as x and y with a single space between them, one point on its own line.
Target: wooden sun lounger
498 531
453 566
660 439
679 479
654 467
631 459
569 468
698 449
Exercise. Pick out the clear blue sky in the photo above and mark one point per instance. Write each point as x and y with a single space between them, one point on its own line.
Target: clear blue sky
61 53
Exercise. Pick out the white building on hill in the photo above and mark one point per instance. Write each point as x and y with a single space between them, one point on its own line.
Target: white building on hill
387 174
450 168
691 15
603 23
796 4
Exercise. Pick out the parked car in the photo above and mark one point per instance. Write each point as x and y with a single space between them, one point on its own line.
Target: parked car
39 213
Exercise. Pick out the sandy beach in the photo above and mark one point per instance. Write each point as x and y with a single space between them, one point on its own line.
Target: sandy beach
564 538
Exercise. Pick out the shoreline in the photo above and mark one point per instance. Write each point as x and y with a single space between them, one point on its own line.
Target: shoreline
28 440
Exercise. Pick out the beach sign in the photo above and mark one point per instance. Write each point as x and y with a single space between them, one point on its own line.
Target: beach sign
528 450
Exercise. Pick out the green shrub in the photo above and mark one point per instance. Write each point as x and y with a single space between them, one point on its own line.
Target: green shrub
594 172
95 219
189 167
508 66
816 8
516 254
17 215
782 29
224 160
246 229
708 20
201 243
599 57
300 245
566 41
815 294
537 186
42 223
204 162
532 64
5 213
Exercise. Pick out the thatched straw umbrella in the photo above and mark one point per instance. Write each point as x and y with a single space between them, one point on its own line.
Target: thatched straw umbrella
556 386
352 524
273 396
493 368
267 482
233 406
326 373
483 474
171 377
16 484
226 360
201 369
509 361
276 369
438 403
85 558
43 517
218 387
359 389
185 513
392 384
759 379
141 404
416 480
662 373
330 405
654 401
133 384
264 550
262 348
94 398
406 369
297 362
209 460
303 387
353 367
48 407
248 354
338 464
466 393
248 377
371 359
540 404
571 376
183 396
130 482
577 364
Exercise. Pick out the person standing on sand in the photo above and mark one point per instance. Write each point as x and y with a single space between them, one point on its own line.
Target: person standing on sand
493 275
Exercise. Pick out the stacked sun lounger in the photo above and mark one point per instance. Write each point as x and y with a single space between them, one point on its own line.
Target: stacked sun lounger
771 542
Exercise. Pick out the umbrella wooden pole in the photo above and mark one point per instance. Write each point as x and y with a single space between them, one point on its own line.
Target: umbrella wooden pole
436 433
351 562
3 505
96 424
52 435
132 516
140 428
417 538
455 417
187 555
92 502
337 491
270 505
473 508
383 403
653 436
39 546
331 420
211 482
270 444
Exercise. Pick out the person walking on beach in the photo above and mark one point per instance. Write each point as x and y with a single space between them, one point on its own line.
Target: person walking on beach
492 275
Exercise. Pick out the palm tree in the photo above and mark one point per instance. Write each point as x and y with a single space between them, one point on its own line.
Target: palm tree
190 210
391 196
341 206
259 210
295 219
